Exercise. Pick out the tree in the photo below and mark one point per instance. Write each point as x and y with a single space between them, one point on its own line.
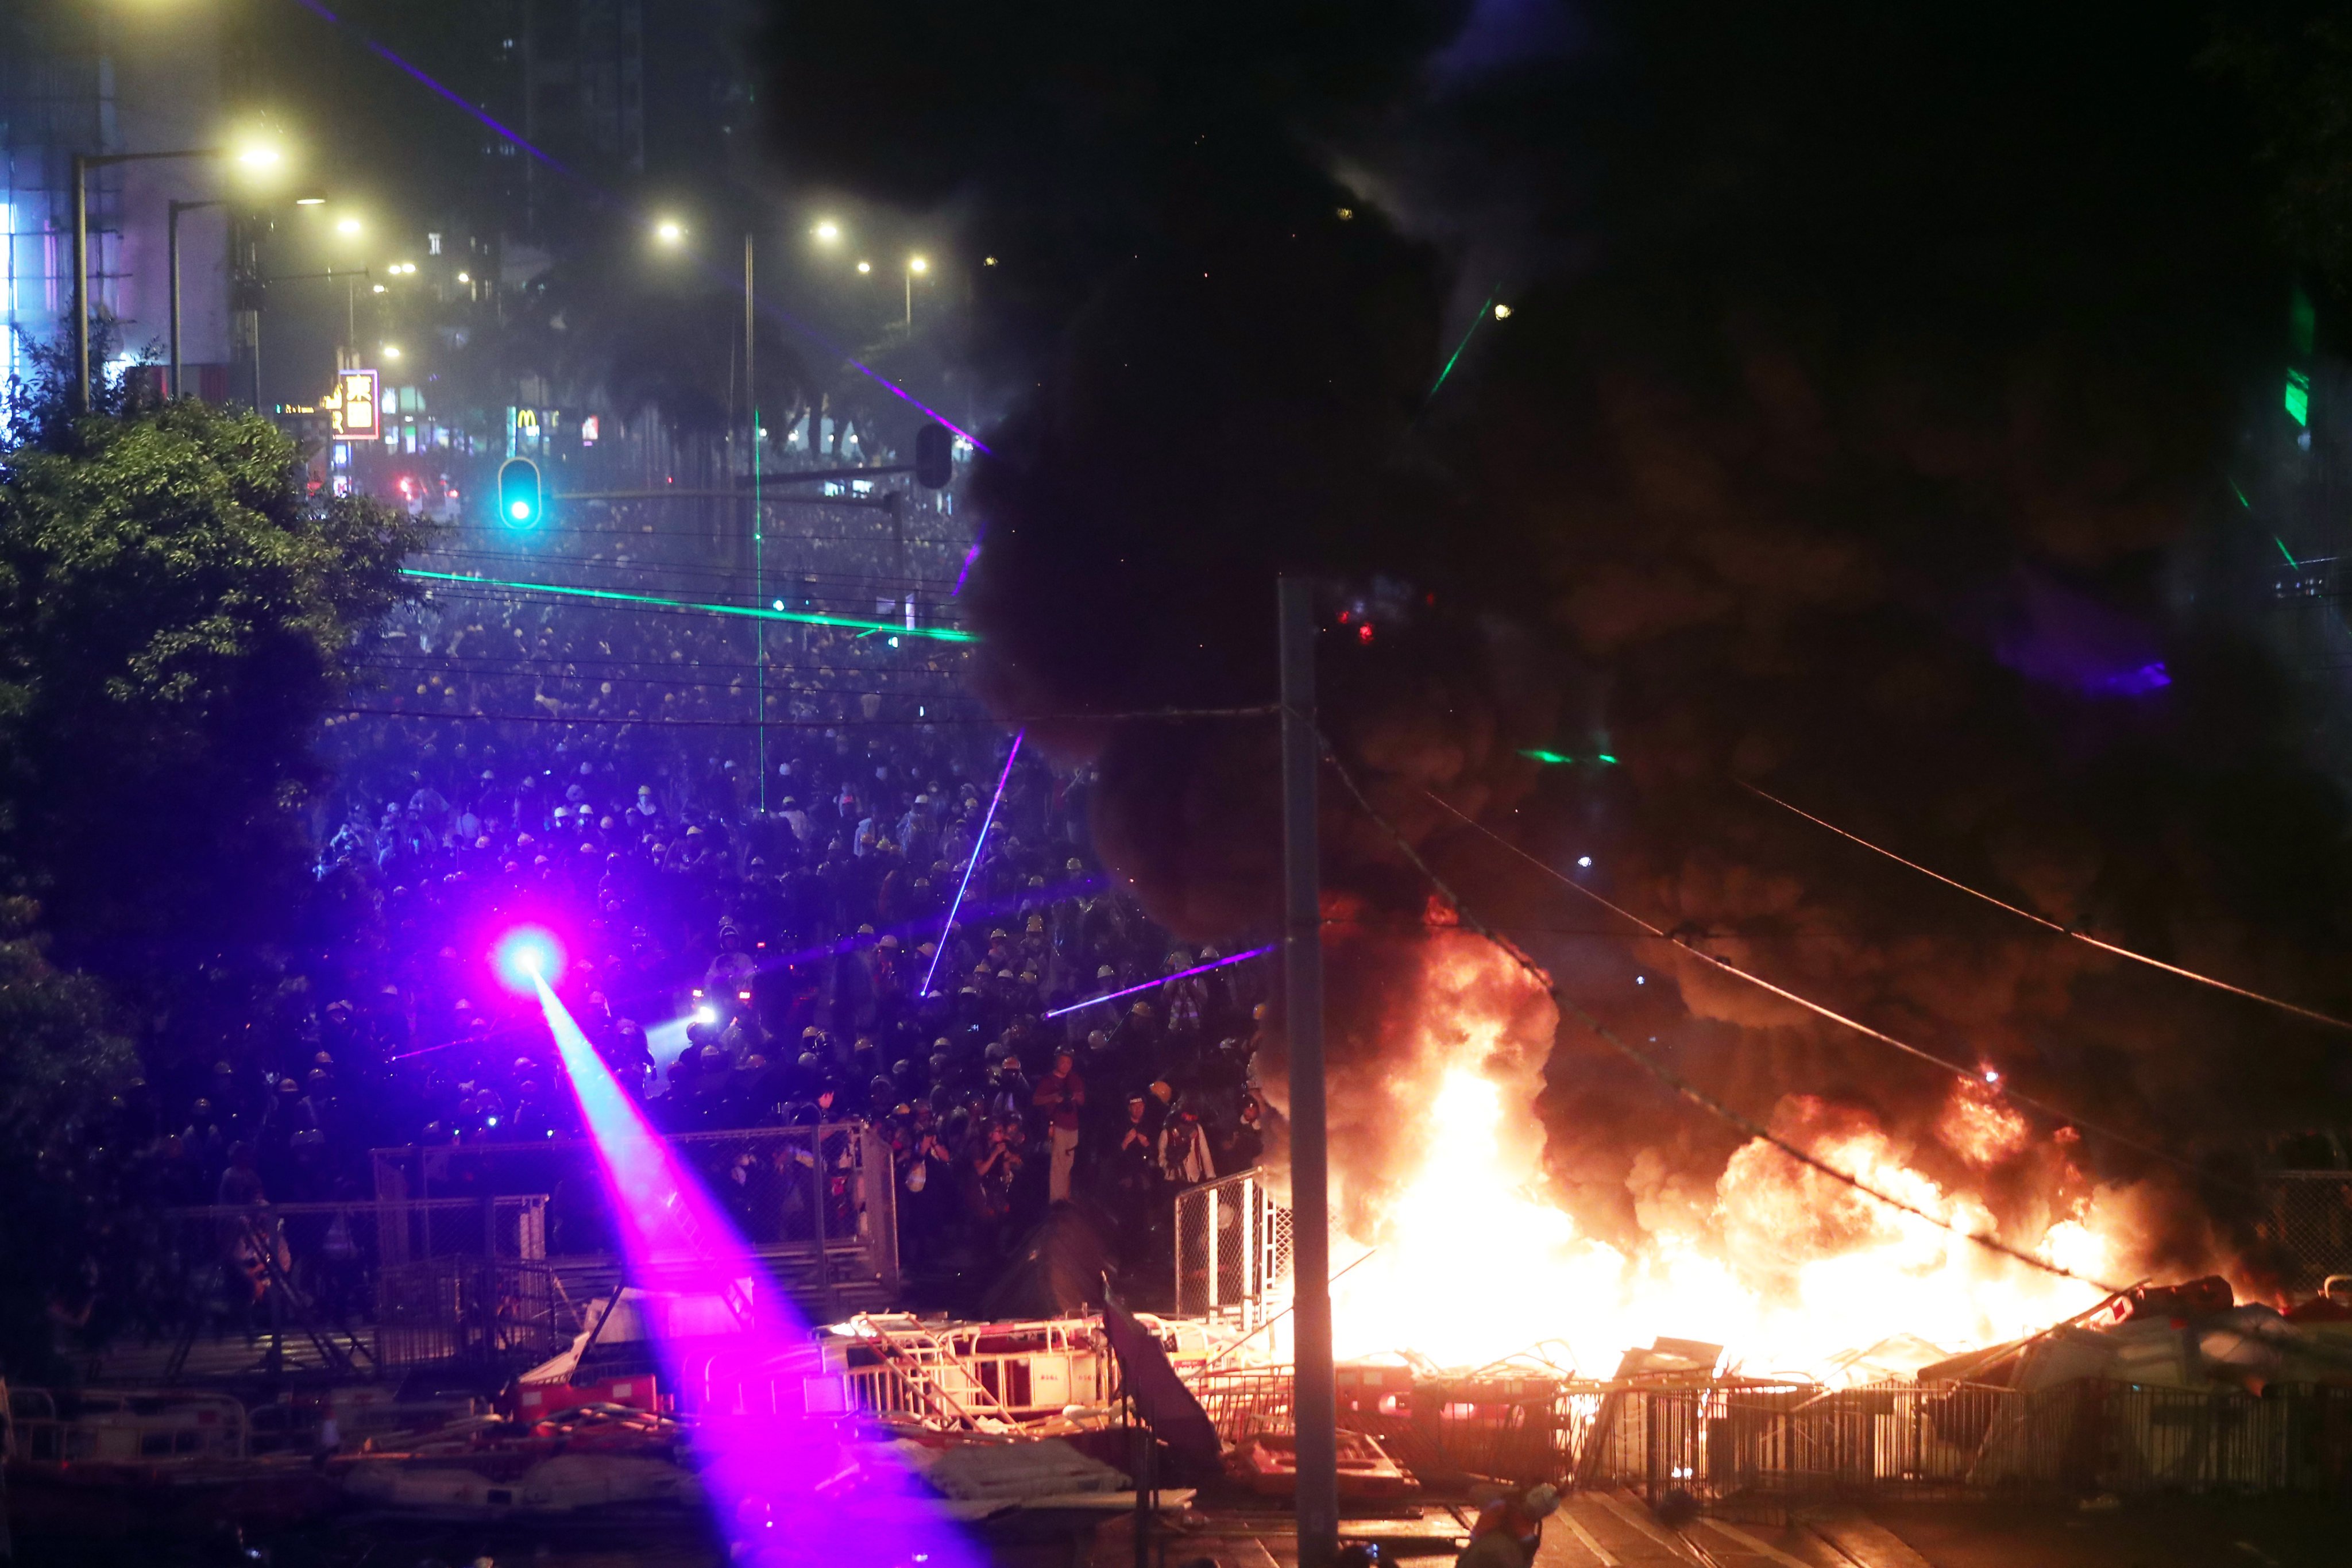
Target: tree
174 613
65 1063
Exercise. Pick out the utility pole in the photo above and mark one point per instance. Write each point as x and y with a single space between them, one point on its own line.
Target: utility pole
759 530
83 163
171 237
1312 1396
81 282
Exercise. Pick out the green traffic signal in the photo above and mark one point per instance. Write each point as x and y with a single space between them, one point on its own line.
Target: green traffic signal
520 501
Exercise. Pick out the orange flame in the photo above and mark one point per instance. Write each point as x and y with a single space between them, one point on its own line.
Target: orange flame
1469 1262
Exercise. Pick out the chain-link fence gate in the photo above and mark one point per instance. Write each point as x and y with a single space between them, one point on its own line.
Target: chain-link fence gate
1232 1252
2310 1225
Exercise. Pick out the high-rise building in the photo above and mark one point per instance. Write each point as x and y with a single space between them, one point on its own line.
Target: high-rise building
81 78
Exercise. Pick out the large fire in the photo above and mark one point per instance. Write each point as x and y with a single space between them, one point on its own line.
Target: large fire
1463 1261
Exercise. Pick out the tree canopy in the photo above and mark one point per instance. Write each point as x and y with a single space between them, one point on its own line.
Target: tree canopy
174 610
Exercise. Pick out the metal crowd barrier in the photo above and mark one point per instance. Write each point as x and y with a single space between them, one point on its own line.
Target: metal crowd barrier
390 1283
818 1204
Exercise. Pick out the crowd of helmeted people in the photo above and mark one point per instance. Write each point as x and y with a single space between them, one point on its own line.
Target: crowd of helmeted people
734 967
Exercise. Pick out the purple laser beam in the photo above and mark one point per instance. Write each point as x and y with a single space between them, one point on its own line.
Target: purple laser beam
978 845
1163 980
764 1460
418 74
969 556
434 88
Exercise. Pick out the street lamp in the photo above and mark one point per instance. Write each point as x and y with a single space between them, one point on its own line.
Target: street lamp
915 264
348 226
669 231
172 246
252 154
827 231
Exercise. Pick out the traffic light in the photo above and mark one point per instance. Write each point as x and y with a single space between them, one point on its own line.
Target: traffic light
519 502
934 457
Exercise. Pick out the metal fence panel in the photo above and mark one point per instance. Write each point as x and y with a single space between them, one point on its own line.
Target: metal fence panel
805 1195
1232 1252
1781 1447
2309 1224
422 1270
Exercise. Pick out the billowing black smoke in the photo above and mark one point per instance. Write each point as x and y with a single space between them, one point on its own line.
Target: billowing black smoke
1868 391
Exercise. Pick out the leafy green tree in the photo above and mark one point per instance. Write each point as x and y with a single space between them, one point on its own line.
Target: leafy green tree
62 1161
173 612
174 615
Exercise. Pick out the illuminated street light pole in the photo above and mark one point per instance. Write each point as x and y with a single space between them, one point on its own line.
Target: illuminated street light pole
172 245
914 264
759 530
670 232
83 163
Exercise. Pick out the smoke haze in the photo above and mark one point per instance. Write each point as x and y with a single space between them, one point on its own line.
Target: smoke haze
1870 387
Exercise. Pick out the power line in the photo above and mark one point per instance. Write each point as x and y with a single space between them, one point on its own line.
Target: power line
680 682
655 723
1856 1024
943 633
484 664
673 568
1668 1076
490 590
2048 924
1142 715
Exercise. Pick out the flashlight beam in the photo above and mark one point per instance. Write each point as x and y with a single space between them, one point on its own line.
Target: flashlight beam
978 845
805 617
1167 980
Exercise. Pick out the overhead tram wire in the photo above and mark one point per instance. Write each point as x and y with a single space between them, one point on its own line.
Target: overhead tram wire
943 633
1142 716
2048 924
655 722
485 590
1956 1069
605 668
895 586
679 683
1667 1076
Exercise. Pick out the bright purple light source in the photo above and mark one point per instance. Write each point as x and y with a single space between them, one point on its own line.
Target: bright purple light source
526 956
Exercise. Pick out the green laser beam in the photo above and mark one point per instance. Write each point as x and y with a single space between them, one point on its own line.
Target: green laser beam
1549 758
2285 552
2240 495
944 633
1460 346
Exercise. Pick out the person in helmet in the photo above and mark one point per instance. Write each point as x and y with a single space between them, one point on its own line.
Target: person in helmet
1509 1529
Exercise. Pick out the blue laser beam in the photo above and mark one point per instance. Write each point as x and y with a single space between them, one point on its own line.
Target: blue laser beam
978 845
